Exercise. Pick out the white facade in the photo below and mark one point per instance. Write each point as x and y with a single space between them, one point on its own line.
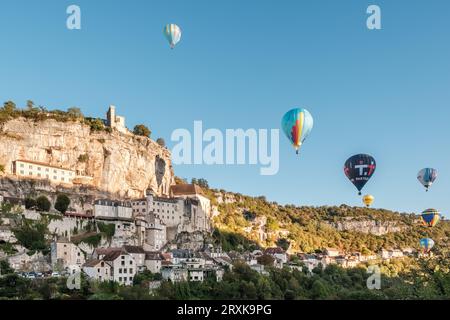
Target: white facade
39 170
123 267
98 270
113 210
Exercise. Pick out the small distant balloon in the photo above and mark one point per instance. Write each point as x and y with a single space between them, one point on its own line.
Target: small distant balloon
359 169
430 217
368 200
173 34
427 176
426 244
297 125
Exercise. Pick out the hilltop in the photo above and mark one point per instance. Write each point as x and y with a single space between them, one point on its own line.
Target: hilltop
243 222
102 154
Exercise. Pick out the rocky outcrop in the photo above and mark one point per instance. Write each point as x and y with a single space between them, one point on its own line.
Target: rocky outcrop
124 165
368 226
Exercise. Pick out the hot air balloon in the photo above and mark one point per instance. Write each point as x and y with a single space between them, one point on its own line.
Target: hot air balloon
430 217
359 169
368 200
173 34
427 176
426 244
297 125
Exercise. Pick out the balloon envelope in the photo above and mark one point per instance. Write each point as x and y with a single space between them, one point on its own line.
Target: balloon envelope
427 176
426 244
359 169
297 125
430 217
368 200
172 32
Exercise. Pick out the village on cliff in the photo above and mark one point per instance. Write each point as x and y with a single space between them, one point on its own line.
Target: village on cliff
166 230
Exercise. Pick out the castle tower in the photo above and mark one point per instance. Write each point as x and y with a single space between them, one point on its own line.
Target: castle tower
111 117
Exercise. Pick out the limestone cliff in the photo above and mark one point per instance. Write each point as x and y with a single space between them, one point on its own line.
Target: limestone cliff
112 162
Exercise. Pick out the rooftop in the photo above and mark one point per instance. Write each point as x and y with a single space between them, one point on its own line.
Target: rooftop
186 189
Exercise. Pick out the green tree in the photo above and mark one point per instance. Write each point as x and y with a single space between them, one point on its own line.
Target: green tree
5 268
9 107
30 203
62 203
142 130
75 112
43 204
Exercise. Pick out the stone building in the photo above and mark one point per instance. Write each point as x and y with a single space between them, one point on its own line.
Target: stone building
114 121
66 255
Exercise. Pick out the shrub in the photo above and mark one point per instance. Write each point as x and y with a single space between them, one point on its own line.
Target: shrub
141 130
62 203
30 203
43 204
83 157
161 142
2 168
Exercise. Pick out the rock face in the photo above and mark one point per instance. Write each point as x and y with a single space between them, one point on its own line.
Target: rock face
368 226
120 164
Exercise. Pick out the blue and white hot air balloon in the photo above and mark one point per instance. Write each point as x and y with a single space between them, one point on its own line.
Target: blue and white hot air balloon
172 32
426 244
427 176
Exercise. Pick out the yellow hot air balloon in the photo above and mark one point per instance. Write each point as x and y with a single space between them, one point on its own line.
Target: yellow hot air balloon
368 200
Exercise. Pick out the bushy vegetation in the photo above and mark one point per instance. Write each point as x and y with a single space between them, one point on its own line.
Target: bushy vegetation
31 235
425 279
62 203
313 228
142 130
43 204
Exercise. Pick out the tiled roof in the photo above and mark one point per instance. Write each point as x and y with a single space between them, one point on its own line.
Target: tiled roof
186 189
152 256
114 255
274 250
92 263
134 249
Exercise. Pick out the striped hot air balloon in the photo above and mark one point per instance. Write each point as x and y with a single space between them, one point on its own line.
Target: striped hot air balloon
426 244
297 125
172 33
430 217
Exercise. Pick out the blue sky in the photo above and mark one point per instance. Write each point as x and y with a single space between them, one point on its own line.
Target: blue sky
243 64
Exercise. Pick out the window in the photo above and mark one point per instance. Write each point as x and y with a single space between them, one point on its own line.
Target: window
21 165
131 278
54 177
131 262
62 179
21 172
38 174
120 278
98 270
120 270
125 270
123 263
46 170
131 270
30 167
39 168
30 173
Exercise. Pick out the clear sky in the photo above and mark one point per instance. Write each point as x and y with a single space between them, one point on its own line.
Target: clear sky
243 64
